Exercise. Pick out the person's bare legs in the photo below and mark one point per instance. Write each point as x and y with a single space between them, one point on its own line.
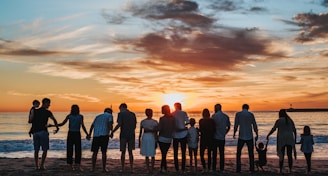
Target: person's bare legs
43 159
131 160
104 160
94 160
122 160
36 159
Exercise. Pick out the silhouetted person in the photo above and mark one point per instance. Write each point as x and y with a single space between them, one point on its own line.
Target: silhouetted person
40 131
222 127
166 128
245 120
207 131
127 121
286 138
74 136
101 127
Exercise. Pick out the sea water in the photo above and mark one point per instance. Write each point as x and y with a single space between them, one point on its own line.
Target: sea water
16 143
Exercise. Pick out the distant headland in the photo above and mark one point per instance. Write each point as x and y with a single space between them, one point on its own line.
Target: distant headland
307 110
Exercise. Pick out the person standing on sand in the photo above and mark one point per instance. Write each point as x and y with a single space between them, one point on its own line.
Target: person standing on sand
307 143
222 127
127 121
74 136
180 136
35 105
207 131
245 120
40 132
147 144
193 138
286 138
166 127
102 125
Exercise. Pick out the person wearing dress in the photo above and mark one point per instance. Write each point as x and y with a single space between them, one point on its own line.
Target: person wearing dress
166 127
286 138
147 139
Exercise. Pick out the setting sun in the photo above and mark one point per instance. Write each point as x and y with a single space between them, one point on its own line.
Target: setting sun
172 98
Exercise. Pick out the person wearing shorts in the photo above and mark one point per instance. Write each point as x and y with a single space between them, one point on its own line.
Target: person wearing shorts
127 122
40 132
102 125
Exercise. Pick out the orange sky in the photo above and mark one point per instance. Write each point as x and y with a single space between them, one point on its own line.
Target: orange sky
150 53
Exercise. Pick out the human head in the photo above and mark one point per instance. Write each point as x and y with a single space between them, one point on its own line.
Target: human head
245 106
283 113
123 106
108 110
177 106
166 109
217 107
46 102
75 109
192 121
260 145
206 113
149 113
306 130
36 103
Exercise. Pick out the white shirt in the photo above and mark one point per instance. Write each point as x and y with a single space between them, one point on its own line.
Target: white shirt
181 119
246 121
193 137
222 122
100 124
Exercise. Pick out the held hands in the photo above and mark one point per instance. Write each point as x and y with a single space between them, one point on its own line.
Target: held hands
88 137
111 135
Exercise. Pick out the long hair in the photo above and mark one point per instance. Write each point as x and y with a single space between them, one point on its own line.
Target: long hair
75 110
306 130
206 113
283 113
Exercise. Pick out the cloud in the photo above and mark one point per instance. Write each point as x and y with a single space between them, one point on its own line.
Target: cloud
313 27
225 5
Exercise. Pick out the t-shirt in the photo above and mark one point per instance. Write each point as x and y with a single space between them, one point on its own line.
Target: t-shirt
75 122
40 120
128 122
193 137
101 124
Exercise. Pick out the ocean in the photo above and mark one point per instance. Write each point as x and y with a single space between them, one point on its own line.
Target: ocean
16 143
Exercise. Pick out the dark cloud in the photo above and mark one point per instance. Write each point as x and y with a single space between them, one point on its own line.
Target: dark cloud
214 80
102 67
314 26
183 11
258 9
8 47
315 95
325 3
289 78
204 50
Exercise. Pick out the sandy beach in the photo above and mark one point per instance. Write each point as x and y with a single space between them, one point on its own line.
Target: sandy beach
57 166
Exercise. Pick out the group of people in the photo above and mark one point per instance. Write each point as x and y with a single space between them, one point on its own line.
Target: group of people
173 127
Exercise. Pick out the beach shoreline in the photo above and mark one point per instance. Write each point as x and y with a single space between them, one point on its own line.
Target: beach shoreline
58 166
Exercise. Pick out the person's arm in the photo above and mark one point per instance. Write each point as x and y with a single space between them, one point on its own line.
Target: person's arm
272 130
90 131
116 128
235 128
228 125
83 126
55 122
31 116
140 133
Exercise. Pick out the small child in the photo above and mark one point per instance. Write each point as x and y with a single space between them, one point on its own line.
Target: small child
307 146
262 151
193 138
35 105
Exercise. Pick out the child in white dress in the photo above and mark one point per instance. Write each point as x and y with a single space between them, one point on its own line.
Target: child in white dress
193 137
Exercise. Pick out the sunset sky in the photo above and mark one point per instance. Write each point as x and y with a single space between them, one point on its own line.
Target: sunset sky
267 53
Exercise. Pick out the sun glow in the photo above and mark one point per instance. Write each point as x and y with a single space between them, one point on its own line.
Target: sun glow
172 98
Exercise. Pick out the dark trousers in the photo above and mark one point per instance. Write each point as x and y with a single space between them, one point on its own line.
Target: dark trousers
308 161
289 155
164 149
183 145
250 147
211 161
219 144
74 140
